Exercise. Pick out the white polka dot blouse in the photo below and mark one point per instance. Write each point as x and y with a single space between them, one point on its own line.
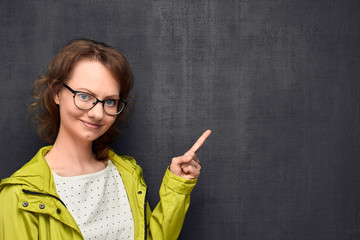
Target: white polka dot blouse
98 203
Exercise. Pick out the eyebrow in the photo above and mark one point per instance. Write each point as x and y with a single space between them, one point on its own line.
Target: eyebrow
92 93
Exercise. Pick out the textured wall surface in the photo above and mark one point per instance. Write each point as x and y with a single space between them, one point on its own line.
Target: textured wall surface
277 82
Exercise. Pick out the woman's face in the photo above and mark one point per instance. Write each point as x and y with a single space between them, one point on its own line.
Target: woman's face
87 125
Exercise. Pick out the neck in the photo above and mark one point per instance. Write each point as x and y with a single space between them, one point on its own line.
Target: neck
71 157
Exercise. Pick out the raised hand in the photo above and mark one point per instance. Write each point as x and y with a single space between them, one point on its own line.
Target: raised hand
188 165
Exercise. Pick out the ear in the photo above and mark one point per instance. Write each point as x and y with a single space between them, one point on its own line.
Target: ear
56 96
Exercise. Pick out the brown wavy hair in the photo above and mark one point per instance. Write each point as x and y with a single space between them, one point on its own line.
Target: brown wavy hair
44 112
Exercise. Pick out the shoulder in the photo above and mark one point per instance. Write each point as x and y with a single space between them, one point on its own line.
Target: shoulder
127 159
123 160
9 194
127 166
32 174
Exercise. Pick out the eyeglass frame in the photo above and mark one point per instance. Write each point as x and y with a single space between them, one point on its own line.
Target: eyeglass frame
97 100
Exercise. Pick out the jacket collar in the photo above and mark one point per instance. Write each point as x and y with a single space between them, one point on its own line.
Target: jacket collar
35 174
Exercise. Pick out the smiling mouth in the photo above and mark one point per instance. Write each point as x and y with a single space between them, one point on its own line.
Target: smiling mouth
91 125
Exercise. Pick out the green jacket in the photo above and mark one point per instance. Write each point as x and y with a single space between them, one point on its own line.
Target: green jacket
30 208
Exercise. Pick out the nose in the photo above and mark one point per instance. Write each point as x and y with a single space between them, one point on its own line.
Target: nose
97 112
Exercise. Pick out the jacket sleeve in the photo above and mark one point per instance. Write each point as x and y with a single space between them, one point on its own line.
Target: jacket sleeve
166 221
14 222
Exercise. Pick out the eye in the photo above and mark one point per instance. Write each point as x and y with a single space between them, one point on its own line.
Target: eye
110 103
84 97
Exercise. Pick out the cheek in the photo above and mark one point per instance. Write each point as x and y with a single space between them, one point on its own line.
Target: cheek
68 111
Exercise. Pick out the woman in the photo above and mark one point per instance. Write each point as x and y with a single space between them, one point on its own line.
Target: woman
78 188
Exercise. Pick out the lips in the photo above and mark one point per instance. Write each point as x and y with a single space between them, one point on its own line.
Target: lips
90 124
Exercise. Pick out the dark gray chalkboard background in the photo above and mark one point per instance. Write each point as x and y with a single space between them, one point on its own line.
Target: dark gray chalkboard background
277 82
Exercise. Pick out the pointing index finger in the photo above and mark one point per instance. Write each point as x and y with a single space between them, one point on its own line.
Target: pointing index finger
198 144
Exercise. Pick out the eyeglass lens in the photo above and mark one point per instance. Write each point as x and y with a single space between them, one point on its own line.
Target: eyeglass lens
86 101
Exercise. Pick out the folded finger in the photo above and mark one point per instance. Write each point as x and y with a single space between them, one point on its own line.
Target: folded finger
192 163
192 171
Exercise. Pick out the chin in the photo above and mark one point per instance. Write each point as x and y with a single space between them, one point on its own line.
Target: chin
92 138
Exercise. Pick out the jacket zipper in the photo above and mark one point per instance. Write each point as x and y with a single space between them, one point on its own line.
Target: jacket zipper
46 194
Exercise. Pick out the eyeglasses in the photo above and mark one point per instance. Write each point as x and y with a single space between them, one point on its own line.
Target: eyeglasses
86 101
